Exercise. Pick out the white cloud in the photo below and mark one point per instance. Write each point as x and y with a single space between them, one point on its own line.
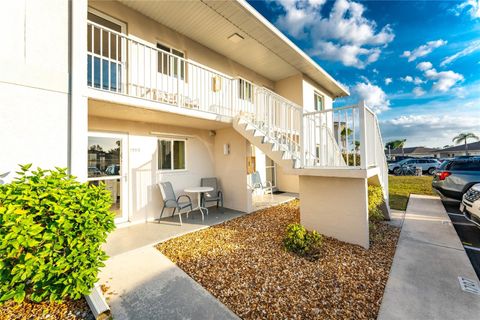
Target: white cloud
388 81
429 130
417 80
349 55
298 16
444 79
472 6
423 50
413 80
471 48
424 65
418 91
344 35
433 122
373 95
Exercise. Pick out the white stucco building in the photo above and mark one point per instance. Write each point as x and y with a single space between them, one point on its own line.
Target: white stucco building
133 93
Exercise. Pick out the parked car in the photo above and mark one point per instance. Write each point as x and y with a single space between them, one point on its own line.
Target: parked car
94 172
471 204
427 165
113 170
454 177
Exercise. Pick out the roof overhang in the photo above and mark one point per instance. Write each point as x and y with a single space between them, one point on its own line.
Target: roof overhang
264 49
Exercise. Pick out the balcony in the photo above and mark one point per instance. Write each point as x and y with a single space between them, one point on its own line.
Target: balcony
346 137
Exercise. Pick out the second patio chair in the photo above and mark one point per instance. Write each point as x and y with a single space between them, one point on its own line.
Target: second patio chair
212 196
171 201
257 184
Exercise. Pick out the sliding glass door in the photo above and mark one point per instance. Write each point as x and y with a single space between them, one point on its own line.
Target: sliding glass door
107 164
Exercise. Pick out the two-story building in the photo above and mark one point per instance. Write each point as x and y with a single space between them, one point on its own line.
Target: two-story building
134 93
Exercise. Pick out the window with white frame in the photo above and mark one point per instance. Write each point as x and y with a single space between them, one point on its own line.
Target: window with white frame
168 64
318 102
171 154
245 90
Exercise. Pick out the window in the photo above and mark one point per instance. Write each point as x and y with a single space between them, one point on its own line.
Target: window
168 64
171 154
318 102
465 165
245 90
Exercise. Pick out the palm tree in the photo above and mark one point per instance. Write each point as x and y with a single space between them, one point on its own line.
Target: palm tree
396 144
357 145
346 132
463 137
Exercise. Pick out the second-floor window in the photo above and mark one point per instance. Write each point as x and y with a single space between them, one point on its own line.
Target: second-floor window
318 103
171 154
169 64
245 90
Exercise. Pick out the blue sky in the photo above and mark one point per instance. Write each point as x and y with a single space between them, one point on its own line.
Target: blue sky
417 63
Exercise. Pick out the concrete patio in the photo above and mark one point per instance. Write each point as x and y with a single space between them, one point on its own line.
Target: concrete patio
265 201
127 238
131 237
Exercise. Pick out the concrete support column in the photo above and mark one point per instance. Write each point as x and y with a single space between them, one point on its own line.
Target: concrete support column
335 207
78 117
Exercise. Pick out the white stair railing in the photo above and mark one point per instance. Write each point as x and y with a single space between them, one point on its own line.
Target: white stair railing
332 137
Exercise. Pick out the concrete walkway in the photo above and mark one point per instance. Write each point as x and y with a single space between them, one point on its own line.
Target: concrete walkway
143 284
423 282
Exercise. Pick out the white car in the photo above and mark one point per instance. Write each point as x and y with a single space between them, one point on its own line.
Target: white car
470 205
427 165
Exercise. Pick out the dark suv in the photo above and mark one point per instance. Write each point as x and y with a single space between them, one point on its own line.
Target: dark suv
454 177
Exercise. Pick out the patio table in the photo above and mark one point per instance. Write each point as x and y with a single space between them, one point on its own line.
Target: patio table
199 191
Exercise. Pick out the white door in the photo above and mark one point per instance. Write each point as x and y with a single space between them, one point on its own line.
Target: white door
271 171
108 164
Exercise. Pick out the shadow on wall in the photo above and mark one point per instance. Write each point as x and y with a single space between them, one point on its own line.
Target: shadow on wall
3 176
146 198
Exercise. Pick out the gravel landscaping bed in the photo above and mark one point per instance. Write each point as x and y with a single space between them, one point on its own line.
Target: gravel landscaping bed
69 310
243 263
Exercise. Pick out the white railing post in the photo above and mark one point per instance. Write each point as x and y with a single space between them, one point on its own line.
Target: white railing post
301 139
363 135
178 81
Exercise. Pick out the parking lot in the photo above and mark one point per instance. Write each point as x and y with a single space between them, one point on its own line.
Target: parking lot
468 233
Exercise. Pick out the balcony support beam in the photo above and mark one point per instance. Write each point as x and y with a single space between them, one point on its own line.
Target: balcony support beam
335 207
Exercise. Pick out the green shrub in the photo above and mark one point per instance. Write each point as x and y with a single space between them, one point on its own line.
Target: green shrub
375 200
51 231
351 159
301 241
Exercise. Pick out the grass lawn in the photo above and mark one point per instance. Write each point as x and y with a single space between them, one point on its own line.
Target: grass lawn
400 188
243 263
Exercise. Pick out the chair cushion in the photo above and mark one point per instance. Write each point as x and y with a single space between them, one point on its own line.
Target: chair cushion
184 204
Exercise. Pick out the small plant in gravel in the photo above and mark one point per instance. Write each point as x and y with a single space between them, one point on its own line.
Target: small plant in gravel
51 231
375 200
301 241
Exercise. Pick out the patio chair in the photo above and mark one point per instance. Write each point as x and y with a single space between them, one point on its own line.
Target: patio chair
257 184
171 201
214 195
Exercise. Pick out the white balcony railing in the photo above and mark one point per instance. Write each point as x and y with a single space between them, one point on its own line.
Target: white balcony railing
123 65
340 137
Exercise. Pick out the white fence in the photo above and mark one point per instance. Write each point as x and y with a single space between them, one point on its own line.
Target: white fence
340 137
